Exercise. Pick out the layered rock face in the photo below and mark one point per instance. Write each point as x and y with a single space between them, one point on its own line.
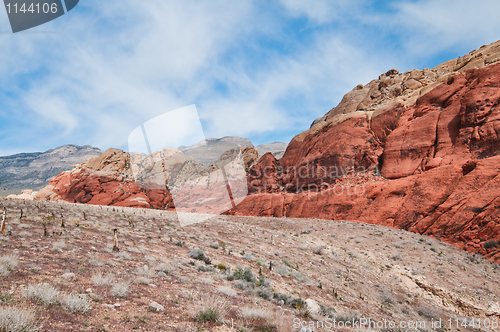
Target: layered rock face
104 180
156 181
418 151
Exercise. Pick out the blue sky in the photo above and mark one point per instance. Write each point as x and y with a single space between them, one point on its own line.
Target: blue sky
258 69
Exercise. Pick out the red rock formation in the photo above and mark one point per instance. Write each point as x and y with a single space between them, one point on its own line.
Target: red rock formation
439 160
105 180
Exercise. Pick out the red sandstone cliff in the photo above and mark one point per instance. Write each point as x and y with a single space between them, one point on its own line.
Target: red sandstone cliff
418 151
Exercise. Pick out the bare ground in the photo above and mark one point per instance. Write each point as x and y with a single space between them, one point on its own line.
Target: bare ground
345 271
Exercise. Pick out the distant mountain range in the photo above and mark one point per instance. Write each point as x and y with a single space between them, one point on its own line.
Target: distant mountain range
34 170
209 150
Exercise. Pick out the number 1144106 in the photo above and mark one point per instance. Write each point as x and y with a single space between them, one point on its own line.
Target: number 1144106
32 8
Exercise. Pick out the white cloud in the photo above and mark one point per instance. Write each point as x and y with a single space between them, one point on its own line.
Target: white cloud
113 65
434 26
322 11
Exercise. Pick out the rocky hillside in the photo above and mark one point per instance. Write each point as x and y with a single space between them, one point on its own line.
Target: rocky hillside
418 151
230 274
35 170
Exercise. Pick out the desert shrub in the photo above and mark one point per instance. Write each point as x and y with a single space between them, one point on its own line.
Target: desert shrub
198 254
76 303
43 293
490 244
18 320
244 274
211 314
427 312
243 285
204 268
120 289
8 263
103 280
297 303
221 266
280 298
297 275
319 249
264 292
345 318
283 271
249 257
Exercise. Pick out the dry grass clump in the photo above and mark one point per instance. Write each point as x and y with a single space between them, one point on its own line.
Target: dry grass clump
8 263
95 261
145 272
120 289
123 255
48 295
43 293
227 291
76 303
18 320
100 279
143 280
211 310
255 314
165 268
58 246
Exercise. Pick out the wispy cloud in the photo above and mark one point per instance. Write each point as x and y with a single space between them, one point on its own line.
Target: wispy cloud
264 71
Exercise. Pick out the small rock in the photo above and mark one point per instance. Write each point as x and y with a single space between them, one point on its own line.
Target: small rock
88 290
157 306
162 274
69 276
313 307
152 285
412 84
116 305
